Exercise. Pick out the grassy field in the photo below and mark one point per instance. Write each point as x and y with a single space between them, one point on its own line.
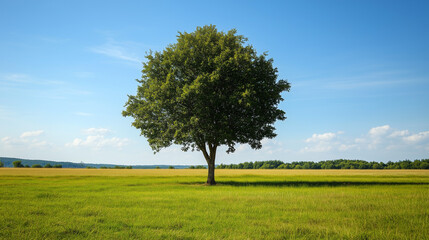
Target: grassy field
246 204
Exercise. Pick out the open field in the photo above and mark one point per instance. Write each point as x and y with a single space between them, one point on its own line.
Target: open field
246 204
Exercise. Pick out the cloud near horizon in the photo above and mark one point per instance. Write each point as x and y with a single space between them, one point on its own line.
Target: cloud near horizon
380 137
25 140
96 139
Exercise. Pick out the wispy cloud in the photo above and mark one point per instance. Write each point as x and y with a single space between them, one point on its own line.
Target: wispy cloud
324 142
369 79
116 50
356 83
32 134
321 137
96 139
21 78
35 86
96 131
400 133
417 137
378 138
16 77
26 140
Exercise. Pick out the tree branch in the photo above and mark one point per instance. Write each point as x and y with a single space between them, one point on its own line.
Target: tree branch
206 155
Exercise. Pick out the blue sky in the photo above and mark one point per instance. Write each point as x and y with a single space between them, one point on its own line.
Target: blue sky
359 72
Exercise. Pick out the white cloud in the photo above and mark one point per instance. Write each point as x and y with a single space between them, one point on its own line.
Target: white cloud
96 139
25 141
417 137
242 147
321 137
379 131
323 142
7 140
98 142
376 136
31 133
317 148
346 147
399 133
269 146
96 131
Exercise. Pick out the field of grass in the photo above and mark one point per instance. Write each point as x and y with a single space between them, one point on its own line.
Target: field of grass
246 204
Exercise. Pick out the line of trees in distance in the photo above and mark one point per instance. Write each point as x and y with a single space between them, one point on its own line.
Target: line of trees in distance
115 167
277 164
329 164
18 164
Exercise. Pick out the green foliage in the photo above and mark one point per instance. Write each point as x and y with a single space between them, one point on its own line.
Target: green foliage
207 89
117 167
17 164
48 166
330 164
198 167
157 167
57 166
36 166
1 164
170 167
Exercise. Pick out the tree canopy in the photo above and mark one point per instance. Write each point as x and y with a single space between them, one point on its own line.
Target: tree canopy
17 164
206 90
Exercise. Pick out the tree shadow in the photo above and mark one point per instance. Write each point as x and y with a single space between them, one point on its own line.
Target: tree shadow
314 184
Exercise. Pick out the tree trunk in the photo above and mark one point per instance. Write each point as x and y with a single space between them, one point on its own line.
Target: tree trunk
210 159
211 176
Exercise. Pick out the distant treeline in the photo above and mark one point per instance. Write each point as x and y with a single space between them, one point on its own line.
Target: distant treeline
330 164
115 167
198 167
8 162
270 164
18 164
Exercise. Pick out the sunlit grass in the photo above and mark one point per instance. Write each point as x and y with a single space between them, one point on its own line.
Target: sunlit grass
246 204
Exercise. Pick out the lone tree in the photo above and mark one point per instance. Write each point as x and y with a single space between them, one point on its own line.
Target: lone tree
206 90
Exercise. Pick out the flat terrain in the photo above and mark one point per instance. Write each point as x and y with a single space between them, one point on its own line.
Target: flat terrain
246 204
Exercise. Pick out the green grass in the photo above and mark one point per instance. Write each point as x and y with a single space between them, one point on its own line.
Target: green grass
246 204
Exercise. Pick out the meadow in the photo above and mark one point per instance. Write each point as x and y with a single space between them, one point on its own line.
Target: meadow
246 204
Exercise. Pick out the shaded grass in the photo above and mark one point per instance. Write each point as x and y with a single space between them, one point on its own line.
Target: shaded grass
246 206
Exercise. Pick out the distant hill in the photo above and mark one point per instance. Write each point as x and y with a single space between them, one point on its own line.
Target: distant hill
8 163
